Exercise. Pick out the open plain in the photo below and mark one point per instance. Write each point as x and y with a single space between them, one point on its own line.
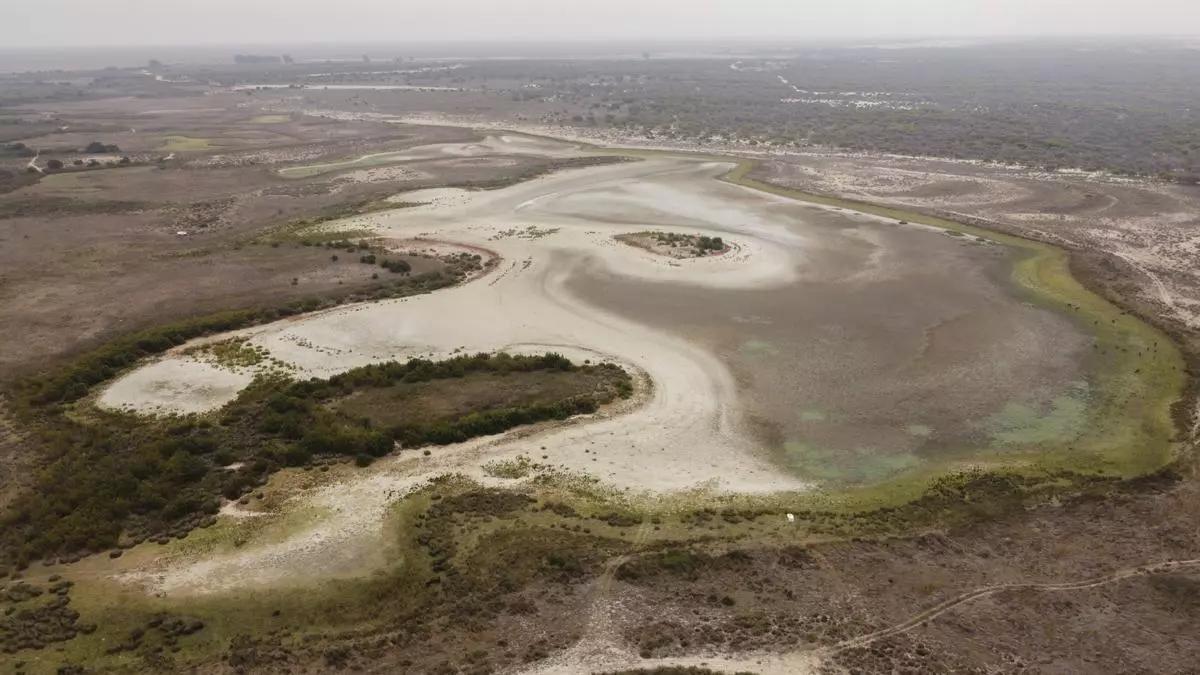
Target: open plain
296 384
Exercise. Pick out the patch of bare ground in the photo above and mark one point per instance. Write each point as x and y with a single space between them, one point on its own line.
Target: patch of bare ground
81 299
87 255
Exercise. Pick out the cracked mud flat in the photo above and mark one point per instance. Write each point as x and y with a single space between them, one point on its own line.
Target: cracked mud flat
562 282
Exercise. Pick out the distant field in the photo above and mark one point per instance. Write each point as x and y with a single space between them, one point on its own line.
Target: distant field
186 144
366 161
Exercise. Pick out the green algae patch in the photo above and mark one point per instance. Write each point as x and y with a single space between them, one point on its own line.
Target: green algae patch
1021 424
757 348
919 430
854 466
813 415
1120 424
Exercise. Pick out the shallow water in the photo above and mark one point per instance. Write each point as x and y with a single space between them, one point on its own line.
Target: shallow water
847 348
897 345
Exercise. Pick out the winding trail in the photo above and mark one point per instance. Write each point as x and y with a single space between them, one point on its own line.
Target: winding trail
970 596
600 648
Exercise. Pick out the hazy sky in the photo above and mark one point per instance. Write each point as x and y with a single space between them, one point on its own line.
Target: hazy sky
196 22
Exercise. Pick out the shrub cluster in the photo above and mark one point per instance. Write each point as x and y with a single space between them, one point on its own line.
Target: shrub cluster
74 382
296 412
98 148
396 266
115 479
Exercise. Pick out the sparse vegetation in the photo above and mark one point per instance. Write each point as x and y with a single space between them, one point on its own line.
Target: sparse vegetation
118 479
674 244
1044 105
98 148
46 206
396 266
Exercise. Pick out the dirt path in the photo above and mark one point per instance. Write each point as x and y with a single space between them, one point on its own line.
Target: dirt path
970 596
804 661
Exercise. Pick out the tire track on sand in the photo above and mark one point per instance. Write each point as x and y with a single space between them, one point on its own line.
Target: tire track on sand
970 596
599 650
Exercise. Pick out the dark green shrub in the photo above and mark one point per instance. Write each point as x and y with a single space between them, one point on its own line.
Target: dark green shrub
396 266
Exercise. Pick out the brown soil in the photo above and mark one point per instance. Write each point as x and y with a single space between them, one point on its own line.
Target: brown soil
86 255
438 400
823 596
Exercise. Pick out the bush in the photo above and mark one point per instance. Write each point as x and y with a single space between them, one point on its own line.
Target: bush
110 474
396 266
98 148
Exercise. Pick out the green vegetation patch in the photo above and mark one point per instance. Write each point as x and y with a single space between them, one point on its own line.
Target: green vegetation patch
430 404
317 231
674 244
33 616
31 207
511 469
233 353
1020 424
855 466
423 403
118 479
462 556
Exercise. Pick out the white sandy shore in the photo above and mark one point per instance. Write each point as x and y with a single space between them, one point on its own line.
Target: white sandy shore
686 434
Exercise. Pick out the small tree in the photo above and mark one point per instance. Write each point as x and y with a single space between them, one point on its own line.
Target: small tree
54 165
